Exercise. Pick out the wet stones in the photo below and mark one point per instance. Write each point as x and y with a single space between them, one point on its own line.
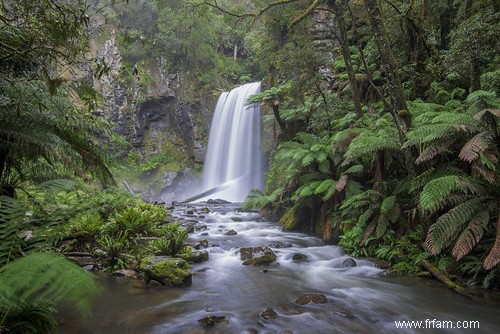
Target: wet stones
231 232
311 298
257 255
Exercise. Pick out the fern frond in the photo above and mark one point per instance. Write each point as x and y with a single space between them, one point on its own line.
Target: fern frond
493 257
449 225
471 234
382 225
436 190
480 100
368 142
45 276
387 204
12 221
475 146
434 149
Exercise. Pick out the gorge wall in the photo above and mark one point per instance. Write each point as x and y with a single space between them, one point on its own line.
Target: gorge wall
160 128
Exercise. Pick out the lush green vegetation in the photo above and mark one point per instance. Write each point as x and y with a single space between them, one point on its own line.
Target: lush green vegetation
386 141
397 157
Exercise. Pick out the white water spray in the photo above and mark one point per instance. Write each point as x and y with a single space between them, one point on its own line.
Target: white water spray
234 153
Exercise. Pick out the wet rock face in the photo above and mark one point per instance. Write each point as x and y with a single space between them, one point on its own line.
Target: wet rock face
257 255
166 270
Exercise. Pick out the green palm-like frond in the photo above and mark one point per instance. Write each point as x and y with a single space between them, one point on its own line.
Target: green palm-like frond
369 142
12 221
448 226
435 191
45 276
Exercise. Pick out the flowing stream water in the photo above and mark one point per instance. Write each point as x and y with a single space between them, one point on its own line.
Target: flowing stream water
359 299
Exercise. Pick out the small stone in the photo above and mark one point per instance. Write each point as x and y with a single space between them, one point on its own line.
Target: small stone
231 232
269 313
124 273
312 298
211 320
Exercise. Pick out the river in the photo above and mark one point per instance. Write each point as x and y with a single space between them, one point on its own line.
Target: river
358 299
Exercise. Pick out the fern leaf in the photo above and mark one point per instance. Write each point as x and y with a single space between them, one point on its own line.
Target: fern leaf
436 190
475 146
471 235
324 186
387 204
382 225
46 276
493 257
449 225
479 115
434 149
368 232
355 169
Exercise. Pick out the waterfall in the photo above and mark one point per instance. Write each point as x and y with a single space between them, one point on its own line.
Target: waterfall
234 154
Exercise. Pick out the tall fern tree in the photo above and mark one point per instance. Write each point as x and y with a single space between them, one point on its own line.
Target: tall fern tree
465 200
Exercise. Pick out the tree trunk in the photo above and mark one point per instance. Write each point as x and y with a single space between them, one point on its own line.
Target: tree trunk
282 125
391 71
475 66
346 53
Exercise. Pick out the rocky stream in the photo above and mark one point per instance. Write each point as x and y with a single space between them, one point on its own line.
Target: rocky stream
259 279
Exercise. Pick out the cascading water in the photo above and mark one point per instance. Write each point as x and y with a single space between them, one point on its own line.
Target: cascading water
233 158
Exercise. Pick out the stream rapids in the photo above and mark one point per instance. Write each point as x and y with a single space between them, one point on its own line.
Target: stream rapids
359 299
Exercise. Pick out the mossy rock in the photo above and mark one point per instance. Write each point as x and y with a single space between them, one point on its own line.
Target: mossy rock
168 271
257 255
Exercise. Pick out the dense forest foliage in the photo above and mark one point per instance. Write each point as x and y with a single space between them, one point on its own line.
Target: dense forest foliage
386 141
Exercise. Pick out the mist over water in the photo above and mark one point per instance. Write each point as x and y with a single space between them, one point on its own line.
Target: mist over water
234 153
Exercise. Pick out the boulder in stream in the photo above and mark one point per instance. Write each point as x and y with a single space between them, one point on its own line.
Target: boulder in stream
168 271
194 256
231 232
349 263
269 313
211 320
311 298
257 255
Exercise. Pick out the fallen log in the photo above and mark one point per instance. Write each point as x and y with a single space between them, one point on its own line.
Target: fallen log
441 276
